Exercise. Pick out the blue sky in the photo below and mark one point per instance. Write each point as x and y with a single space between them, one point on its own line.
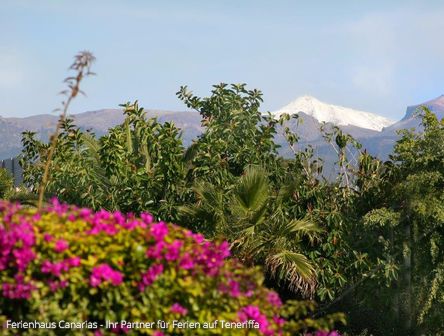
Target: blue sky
377 56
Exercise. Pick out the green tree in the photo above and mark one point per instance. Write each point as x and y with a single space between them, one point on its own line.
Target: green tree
402 228
236 134
6 183
141 165
136 167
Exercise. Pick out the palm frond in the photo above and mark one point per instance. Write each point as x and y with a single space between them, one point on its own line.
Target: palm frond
209 209
92 145
252 192
302 226
293 268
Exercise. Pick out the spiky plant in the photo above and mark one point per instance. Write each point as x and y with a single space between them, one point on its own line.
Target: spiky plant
252 218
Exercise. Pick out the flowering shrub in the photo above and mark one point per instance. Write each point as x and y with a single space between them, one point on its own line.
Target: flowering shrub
72 264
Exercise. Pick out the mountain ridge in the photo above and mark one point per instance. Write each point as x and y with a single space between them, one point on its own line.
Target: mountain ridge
335 114
379 141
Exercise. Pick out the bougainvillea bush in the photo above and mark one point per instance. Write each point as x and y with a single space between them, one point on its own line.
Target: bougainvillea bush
72 264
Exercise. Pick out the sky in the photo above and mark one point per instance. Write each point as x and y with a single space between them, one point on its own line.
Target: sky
376 56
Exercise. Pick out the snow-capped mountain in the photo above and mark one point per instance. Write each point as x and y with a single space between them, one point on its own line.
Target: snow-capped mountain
338 115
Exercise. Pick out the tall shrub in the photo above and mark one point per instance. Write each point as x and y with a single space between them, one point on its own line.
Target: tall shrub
73 264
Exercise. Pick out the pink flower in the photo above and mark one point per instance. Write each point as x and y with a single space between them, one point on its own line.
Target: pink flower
54 285
84 213
61 245
74 261
131 224
212 256
156 250
326 333
47 237
150 276
16 241
253 313
186 262
100 222
173 250
159 230
178 309
71 217
57 268
104 272
233 288
146 217
158 333
119 328
54 268
36 217
58 208
119 218
224 250
23 257
279 320
274 299
197 237
18 290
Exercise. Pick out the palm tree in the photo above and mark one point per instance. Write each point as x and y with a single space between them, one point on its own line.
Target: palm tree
253 219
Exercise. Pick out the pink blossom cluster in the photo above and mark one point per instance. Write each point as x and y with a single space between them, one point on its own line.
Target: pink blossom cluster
61 245
208 256
159 231
16 241
252 312
119 329
21 289
213 256
104 272
59 208
232 288
168 249
102 220
57 284
150 276
57 268
274 299
112 223
236 285
178 309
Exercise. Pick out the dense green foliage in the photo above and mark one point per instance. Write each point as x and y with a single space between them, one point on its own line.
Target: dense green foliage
254 220
141 165
371 239
401 212
6 183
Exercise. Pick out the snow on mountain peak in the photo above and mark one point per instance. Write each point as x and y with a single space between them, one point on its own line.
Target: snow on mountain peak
338 115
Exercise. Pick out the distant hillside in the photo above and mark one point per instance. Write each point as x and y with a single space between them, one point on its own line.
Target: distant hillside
97 121
371 132
382 143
